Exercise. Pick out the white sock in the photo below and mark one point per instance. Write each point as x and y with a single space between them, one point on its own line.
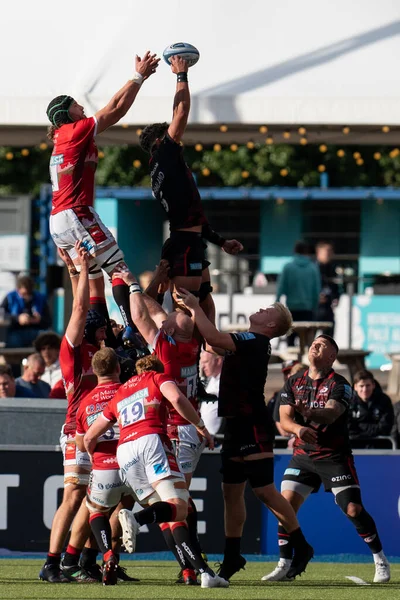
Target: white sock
285 561
379 556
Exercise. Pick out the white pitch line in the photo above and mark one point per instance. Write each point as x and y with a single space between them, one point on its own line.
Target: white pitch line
357 580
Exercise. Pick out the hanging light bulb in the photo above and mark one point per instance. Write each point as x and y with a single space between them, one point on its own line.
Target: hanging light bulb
302 130
303 141
206 172
250 145
25 152
385 129
377 155
263 129
245 174
137 164
217 148
323 148
101 154
340 153
198 147
269 141
139 132
321 168
346 130
284 172
356 155
43 146
234 147
223 128
286 134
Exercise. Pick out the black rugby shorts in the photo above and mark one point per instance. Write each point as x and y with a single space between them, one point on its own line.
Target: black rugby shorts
336 471
258 473
185 252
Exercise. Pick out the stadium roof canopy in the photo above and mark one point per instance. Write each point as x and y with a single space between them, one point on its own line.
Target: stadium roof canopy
283 64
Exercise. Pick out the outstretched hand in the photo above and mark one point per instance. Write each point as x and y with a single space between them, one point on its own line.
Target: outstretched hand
178 64
161 274
147 65
232 247
124 274
208 437
65 257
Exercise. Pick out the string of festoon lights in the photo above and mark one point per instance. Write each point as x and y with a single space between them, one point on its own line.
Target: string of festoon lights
298 136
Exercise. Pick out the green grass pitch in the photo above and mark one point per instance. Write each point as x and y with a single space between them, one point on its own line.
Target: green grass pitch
323 581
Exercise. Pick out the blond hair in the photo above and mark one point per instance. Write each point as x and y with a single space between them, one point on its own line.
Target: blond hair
149 363
105 362
285 323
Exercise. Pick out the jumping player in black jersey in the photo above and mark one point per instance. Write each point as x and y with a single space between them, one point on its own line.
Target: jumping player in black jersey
247 449
173 185
314 406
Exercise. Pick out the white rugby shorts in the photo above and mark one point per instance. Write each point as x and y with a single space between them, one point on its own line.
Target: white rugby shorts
106 487
145 461
188 446
66 228
72 456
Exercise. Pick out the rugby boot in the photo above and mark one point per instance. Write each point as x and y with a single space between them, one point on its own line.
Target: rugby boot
300 561
52 574
77 574
213 581
110 576
280 571
130 529
382 571
230 566
123 575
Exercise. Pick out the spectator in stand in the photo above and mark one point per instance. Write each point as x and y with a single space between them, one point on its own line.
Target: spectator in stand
330 293
371 412
9 388
29 313
211 366
48 345
34 367
300 282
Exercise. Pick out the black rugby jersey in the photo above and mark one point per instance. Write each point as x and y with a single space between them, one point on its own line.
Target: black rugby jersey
243 375
173 185
315 393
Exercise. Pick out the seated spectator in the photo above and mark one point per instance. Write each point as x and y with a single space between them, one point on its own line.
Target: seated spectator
34 367
370 413
28 311
8 387
211 366
48 345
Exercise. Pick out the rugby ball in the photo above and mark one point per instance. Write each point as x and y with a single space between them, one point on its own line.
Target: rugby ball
187 51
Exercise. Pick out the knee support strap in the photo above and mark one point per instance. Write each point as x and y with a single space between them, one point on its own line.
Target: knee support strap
95 509
110 258
346 496
76 479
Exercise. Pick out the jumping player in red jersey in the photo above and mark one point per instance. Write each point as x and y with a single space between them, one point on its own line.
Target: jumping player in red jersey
247 449
106 487
314 407
172 339
173 185
146 458
72 169
85 332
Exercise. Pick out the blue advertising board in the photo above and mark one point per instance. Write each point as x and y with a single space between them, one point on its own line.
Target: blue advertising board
324 524
377 323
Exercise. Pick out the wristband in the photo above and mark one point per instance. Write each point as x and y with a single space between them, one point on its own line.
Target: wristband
137 78
182 77
200 424
134 288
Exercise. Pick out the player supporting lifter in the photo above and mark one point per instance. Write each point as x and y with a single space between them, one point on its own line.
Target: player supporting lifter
314 407
85 332
72 169
247 449
106 488
173 185
173 341
146 458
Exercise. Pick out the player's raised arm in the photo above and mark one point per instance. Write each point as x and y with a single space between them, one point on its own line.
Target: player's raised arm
139 311
210 333
181 107
76 325
121 102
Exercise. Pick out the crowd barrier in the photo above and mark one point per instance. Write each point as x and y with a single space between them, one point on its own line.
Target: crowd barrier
31 483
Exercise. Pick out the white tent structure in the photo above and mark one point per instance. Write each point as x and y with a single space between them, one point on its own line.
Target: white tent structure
282 64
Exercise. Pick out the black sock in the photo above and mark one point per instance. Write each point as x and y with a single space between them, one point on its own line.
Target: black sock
297 539
120 293
169 540
191 521
71 557
101 529
181 536
232 547
53 558
88 557
99 305
285 543
366 529
117 557
159 512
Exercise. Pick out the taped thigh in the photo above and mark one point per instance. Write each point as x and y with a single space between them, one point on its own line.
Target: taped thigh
76 479
109 259
166 489
295 486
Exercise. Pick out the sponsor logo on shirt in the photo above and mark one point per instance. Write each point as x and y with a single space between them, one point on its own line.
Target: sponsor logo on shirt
56 159
189 371
159 469
136 396
245 336
195 266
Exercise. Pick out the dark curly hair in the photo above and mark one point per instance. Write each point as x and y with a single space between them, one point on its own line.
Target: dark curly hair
48 338
150 134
